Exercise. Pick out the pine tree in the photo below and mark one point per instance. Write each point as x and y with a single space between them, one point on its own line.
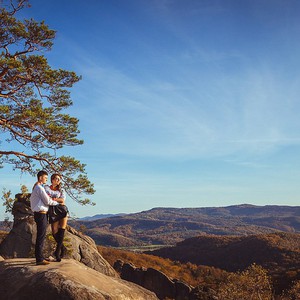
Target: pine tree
32 99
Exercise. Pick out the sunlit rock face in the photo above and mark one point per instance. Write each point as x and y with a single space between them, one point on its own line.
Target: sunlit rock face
20 241
69 279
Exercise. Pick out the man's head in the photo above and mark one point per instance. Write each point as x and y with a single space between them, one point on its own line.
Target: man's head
42 176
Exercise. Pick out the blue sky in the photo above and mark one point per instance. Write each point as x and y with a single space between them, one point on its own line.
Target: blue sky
182 103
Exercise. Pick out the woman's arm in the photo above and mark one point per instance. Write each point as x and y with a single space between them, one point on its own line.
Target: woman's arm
62 197
59 200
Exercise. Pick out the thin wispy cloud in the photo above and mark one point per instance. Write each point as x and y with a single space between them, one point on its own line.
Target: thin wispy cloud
190 102
234 113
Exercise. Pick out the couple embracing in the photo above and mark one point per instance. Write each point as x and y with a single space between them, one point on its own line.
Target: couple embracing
43 197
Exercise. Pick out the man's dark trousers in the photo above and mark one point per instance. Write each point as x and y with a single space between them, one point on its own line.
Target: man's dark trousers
41 224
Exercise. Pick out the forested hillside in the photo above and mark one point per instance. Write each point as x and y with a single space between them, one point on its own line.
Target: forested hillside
230 267
167 226
278 253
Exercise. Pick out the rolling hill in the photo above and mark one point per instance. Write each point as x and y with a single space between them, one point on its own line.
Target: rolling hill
278 253
167 226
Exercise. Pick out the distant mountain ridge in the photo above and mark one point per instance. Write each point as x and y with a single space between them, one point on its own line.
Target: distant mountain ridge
167 226
100 216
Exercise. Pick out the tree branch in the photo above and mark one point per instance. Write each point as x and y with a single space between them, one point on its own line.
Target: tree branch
5 70
22 154
20 6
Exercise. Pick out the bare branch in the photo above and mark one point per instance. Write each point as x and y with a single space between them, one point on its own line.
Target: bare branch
21 4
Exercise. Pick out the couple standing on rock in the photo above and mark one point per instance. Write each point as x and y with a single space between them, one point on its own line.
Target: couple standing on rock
42 197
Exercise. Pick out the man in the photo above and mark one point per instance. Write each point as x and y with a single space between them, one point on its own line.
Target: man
40 202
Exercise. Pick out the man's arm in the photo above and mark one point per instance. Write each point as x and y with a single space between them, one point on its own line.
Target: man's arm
46 198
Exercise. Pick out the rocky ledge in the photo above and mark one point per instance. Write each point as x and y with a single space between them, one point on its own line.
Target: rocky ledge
21 279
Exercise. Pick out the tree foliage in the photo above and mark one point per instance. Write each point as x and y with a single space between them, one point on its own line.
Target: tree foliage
32 99
186 272
293 293
253 283
210 283
8 201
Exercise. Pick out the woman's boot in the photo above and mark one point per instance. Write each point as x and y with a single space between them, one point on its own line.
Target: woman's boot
63 247
60 238
63 251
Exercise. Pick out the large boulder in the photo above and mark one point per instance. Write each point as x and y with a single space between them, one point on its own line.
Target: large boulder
21 279
20 241
155 281
83 248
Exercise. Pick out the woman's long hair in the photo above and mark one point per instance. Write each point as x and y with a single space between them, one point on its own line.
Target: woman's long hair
59 187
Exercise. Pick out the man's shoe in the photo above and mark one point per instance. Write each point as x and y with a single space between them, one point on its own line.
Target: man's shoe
42 263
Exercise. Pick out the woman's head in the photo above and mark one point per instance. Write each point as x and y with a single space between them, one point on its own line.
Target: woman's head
56 180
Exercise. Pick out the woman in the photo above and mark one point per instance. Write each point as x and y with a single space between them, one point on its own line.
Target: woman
56 192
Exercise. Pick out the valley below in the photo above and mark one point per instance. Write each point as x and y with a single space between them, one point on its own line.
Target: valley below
208 249
230 239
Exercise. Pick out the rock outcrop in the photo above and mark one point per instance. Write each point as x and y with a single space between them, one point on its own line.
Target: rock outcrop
21 279
20 241
155 281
